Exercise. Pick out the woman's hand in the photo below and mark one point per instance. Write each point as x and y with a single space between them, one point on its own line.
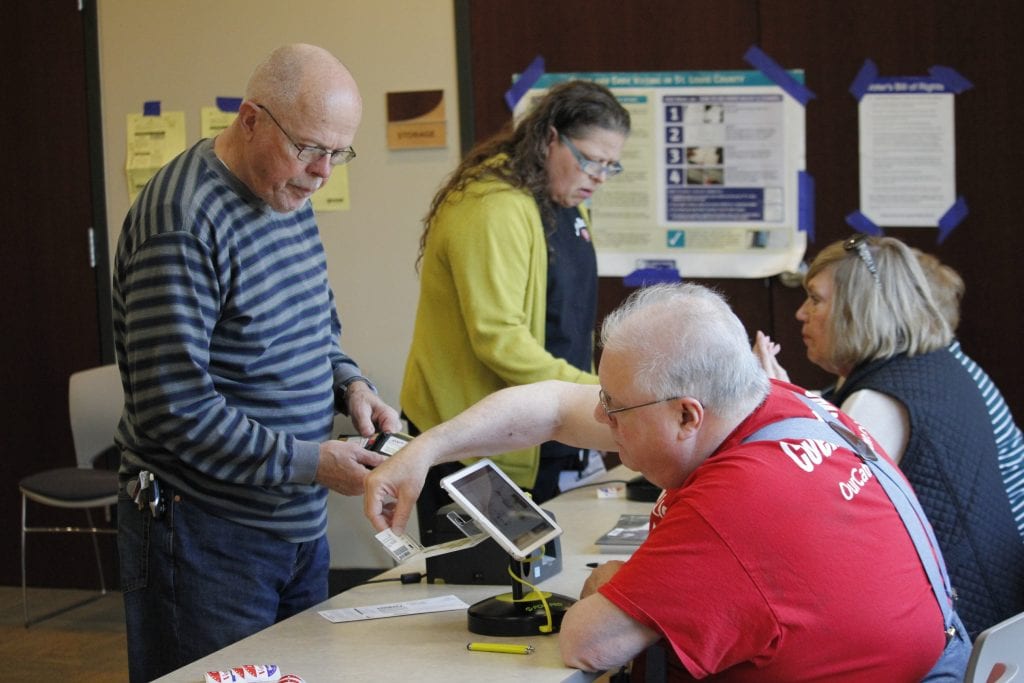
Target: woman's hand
766 351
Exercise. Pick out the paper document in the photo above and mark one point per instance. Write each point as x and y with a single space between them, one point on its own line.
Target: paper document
404 547
444 603
626 536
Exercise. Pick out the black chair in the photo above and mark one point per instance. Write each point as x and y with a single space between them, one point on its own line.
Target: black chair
95 399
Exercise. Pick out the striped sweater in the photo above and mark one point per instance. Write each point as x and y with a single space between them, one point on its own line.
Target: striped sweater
1009 441
227 337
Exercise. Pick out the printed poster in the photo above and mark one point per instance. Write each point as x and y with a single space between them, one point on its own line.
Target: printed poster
711 175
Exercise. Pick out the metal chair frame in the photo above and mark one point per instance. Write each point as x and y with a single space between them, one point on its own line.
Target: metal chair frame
95 400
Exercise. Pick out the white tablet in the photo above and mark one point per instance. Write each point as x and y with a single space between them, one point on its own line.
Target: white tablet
501 508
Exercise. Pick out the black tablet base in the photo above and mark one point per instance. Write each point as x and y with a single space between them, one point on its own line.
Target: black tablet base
518 613
502 615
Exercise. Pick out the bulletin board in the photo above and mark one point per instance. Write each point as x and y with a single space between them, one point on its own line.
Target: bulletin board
714 182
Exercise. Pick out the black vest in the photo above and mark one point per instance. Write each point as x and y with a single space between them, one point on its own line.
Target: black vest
952 463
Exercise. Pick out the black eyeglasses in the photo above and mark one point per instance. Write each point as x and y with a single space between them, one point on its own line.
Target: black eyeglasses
589 166
859 243
311 153
609 411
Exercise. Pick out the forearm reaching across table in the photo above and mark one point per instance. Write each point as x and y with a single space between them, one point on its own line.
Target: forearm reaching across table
512 418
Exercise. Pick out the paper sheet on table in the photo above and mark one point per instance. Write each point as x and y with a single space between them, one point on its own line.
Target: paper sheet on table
444 603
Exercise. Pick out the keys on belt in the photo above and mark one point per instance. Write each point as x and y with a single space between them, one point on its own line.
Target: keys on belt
145 492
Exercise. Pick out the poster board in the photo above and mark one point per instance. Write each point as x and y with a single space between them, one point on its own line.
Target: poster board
714 168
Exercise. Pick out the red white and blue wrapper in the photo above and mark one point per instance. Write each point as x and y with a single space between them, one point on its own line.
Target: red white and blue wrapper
249 673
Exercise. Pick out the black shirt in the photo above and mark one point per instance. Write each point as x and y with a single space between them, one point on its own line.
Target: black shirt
571 304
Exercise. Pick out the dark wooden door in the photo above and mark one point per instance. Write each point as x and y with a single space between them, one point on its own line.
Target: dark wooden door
830 41
49 281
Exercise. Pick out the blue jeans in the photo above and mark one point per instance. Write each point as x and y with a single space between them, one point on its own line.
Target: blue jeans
194 583
952 663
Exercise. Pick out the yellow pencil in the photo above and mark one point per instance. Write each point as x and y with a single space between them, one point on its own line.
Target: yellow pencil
503 648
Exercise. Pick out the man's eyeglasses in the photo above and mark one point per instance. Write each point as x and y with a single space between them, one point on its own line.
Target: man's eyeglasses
309 154
609 411
859 243
589 166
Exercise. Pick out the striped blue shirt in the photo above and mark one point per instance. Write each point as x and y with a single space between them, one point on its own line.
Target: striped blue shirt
227 337
1009 441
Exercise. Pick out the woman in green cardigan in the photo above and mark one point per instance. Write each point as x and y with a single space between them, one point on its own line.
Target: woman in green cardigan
508 285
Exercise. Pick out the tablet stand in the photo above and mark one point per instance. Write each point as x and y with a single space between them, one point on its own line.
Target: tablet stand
516 613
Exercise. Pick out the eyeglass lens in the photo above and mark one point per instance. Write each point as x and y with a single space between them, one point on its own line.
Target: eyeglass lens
589 166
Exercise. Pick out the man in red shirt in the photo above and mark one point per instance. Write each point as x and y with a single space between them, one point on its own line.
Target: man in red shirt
770 558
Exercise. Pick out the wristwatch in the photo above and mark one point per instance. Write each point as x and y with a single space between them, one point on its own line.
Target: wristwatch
343 395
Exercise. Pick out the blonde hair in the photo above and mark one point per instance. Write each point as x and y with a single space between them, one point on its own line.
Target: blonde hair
947 287
879 317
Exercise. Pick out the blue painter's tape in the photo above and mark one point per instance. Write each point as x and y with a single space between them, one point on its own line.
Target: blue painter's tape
951 78
756 57
865 77
524 82
952 218
151 108
229 104
651 276
805 201
862 223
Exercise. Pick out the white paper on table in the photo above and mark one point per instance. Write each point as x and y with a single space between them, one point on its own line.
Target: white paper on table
443 603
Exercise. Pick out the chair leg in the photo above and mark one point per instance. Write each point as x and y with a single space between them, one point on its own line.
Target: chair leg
24 582
24 590
96 550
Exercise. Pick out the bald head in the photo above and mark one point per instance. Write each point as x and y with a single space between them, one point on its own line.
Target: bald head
300 97
306 79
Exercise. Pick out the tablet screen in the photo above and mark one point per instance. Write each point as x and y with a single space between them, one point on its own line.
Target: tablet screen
501 508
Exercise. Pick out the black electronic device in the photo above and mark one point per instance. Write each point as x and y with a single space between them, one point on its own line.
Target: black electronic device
485 563
638 488
523 531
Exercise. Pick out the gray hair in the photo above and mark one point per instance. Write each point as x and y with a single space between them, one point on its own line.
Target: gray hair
686 341
871 320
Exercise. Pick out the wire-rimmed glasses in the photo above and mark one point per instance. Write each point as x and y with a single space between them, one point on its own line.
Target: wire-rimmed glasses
609 411
589 166
311 153
859 244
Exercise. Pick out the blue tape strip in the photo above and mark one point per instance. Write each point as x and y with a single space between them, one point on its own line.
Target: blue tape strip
756 57
151 108
651 276
866 76
229 104
862 223
952 218
951 78
524 82
805 202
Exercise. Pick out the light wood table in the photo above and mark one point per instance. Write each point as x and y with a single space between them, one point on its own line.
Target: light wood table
427 647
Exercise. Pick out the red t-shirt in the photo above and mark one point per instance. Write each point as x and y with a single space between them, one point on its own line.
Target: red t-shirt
782 562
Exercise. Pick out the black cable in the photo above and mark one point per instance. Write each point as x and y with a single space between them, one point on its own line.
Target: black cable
408 577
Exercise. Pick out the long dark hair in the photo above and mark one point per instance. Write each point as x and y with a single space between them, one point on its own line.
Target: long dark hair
570 108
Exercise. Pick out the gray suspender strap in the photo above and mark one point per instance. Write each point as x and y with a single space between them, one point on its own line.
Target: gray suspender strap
892 482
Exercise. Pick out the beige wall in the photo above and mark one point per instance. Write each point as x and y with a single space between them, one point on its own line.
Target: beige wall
185 53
